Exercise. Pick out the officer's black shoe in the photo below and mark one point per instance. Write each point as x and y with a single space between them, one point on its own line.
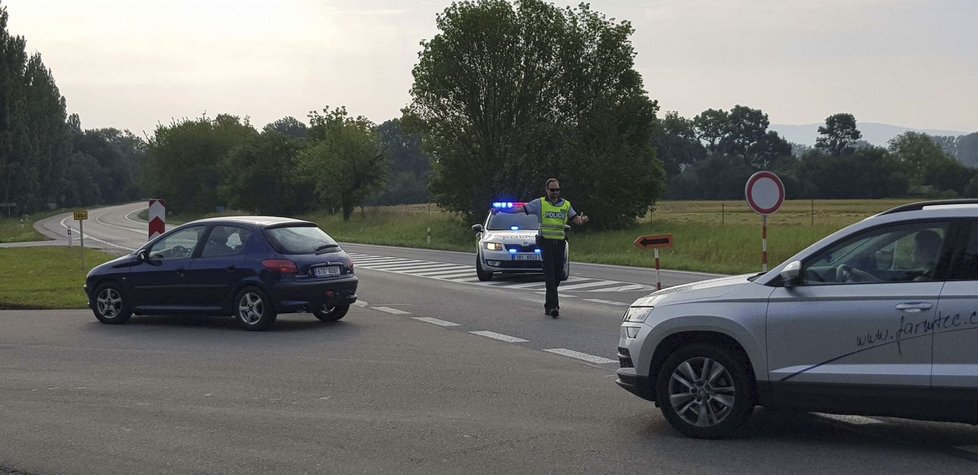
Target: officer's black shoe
555 313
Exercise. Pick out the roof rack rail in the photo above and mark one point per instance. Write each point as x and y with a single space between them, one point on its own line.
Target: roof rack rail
921 204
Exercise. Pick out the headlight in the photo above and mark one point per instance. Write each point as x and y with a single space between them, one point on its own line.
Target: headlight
494 246
637 314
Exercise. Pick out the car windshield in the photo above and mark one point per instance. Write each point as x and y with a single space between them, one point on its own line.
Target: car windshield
499 221
301 239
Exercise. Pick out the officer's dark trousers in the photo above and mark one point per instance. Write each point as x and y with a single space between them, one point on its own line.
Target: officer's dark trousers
552 251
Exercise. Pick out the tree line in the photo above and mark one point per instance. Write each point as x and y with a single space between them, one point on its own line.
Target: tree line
505 95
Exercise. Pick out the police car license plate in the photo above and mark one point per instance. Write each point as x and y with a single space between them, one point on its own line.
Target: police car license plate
326 271
526 256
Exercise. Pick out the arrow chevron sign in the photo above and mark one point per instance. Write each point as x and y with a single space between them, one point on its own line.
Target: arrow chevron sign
654 241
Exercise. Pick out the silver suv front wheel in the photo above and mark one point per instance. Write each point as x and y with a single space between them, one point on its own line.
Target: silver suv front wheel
705 391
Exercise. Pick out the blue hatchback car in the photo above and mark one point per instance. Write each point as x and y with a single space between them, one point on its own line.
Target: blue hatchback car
250 267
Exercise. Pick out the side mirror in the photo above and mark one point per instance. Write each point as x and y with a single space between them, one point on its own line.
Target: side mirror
791 274
477 228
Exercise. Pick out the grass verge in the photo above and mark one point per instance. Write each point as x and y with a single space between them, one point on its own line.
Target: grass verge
45 277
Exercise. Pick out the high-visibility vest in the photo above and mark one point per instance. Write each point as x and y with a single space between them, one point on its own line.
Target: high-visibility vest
553 219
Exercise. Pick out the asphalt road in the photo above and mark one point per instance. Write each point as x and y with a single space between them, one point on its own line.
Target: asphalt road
431 373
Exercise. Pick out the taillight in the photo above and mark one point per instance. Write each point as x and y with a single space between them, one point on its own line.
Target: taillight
282 266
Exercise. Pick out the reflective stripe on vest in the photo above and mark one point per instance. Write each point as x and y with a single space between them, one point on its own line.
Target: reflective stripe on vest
553 219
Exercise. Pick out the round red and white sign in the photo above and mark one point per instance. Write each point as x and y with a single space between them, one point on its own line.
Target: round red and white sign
764 192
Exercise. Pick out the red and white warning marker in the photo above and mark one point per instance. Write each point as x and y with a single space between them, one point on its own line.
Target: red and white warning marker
157 218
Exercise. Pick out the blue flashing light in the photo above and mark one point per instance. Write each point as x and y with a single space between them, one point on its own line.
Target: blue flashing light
536 251
502 204
512 251
514 228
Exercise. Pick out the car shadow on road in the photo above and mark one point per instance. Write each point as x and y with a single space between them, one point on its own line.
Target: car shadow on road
284 323
827 432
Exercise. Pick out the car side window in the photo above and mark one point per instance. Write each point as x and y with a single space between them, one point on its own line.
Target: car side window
225 241
965 264
179 245
899 253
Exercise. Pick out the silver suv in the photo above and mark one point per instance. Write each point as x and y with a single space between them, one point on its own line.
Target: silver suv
879 318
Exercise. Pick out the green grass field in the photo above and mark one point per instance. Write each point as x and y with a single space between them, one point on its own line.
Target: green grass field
709 236
45 277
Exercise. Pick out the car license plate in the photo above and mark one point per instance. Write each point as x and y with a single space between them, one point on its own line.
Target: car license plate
326 271
527 256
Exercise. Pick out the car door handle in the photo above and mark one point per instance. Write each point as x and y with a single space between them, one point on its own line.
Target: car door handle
913 307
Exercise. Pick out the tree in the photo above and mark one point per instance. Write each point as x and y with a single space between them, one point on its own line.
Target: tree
676 143
507 95
410 168
838 135
260 175
966 149
33 129
184 160
289 127
867 173
711 125
116 159
344 160
929 168
746 135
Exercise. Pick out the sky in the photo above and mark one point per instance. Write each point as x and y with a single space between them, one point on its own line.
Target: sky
136 64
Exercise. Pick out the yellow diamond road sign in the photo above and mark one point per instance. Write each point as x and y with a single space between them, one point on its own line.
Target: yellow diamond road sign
81 214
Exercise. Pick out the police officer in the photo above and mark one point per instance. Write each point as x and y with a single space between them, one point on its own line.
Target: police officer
553 213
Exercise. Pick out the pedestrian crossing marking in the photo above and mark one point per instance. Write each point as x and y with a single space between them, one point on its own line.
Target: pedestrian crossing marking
465 274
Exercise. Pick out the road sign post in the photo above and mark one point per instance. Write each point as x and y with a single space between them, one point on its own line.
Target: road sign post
765 195
655 242
81 215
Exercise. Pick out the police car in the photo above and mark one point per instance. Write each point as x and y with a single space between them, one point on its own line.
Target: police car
506 243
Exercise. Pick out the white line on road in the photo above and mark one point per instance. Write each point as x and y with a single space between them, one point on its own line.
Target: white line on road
621 288
360 303
608 302
500 336
392 310
589 284
435 321
581 356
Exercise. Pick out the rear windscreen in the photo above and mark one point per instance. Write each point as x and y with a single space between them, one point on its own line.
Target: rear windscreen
301 240
499 221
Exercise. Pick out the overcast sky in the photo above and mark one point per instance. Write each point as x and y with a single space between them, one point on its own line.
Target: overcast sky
132 64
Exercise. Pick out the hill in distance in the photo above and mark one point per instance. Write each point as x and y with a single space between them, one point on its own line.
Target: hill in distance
873 132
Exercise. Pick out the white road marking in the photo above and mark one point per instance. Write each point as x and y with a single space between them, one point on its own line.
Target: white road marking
435 268
559 295
527 285
456 275
465 274
589 284
360 303
580 356
859 420
622 288
397 267
435 321
499 336
392 310
608 302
